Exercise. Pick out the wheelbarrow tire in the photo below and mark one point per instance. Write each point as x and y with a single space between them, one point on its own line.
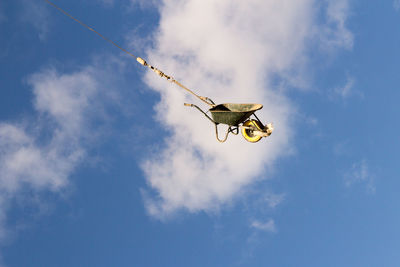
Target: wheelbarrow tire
248 134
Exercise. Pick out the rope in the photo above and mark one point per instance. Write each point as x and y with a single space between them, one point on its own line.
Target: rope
138 59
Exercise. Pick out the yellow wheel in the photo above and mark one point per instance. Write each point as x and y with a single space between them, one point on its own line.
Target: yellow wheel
248 134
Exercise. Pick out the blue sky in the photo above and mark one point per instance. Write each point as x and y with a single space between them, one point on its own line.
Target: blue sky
102 165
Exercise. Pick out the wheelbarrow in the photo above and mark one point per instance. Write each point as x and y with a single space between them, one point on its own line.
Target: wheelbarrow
234 115
237 116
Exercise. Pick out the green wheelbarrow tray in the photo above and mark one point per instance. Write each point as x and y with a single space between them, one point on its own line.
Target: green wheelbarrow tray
236 116
233 114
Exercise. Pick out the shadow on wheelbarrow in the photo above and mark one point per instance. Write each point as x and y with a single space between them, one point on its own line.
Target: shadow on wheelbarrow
237 116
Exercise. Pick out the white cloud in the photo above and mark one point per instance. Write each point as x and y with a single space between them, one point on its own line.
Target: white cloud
359 174
267 226
346 90
36 14
274 200
107 3
2 15
341 148
396 5
40 153
63 101
229 51
335 34
22 162
145 3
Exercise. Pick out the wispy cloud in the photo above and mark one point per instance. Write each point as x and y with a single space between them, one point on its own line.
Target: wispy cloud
24 162
107 3
334 33
267 226
36 14
345 90
396 5
229 51
359 174
145 3
2 15
273 200
42 151
341 148
63 101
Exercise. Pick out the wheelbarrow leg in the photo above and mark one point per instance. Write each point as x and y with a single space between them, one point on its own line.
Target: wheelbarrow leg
215 123
216 134
234 131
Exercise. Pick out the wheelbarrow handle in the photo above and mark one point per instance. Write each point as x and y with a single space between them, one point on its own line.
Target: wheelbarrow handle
199 109
207 100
